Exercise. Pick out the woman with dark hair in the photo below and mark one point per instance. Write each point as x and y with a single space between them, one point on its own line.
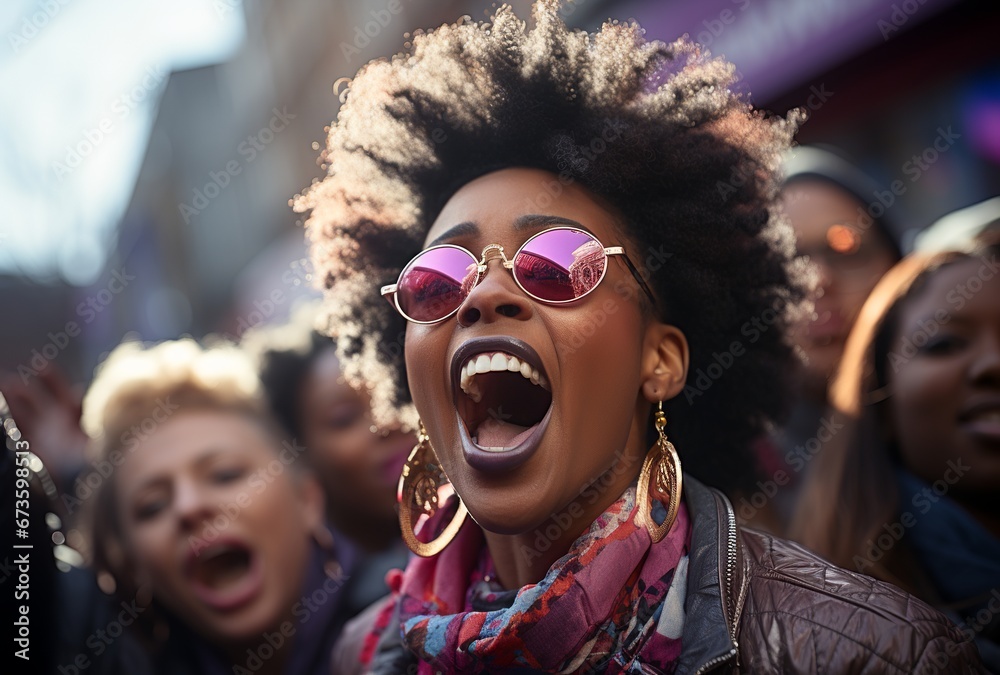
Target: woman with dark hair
542 209
907 490
850 242
357 464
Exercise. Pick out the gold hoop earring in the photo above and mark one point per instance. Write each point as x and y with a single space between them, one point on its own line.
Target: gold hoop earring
419 488
660 480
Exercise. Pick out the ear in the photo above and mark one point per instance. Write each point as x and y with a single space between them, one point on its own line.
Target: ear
312 502
664 362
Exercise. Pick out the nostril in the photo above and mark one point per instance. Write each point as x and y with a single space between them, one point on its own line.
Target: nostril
508 310
469 316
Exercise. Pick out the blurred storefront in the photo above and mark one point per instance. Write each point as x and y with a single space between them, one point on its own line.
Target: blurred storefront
910 89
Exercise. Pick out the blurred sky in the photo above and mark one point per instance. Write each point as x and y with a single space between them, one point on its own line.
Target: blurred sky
83 79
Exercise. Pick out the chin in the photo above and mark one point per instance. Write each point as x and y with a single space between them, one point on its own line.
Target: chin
518 505
245 626
505 521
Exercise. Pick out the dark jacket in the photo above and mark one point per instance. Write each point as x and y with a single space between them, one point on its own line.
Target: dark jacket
88 645
758 604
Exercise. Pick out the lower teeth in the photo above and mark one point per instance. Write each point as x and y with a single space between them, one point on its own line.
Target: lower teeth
488 448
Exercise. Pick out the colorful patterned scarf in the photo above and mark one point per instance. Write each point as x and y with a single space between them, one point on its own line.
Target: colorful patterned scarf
613 602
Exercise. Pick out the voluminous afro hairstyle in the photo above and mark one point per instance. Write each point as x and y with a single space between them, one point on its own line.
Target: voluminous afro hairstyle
692 169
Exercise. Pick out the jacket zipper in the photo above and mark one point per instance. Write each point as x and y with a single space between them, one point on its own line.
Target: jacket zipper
730 568
731 574
718 660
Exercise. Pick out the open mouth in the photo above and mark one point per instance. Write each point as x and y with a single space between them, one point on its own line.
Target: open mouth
225 575
827 328
503 400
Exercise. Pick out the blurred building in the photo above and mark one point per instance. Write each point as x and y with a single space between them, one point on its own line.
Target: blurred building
909 88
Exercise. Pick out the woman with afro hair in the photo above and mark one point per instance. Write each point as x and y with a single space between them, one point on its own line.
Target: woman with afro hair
565 225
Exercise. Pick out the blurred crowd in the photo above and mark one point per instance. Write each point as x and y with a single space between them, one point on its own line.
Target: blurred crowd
258 459
266 462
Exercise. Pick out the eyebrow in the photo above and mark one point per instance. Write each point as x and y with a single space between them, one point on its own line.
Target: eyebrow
953 317
529 221
161 479
466 229
532 221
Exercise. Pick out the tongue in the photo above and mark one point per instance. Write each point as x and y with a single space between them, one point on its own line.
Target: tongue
494 433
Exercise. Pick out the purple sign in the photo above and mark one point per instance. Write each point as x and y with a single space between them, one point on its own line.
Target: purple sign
777 44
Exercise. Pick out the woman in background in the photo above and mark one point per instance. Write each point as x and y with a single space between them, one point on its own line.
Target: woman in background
357 465
209 525
907 490
829 205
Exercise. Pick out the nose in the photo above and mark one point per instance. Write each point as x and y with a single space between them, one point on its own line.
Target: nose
496 295
192 505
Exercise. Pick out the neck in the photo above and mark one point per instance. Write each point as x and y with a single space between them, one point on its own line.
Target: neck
525 558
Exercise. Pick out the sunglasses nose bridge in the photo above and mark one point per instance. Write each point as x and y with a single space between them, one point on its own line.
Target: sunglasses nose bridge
492 251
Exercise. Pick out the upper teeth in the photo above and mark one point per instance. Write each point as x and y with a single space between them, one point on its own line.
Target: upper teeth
496 362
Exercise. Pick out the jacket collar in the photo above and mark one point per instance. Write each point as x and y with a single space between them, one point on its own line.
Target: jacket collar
714 591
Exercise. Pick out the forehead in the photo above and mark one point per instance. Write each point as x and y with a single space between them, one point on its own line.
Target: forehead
814 205
494 201
969 287
186 438
325 377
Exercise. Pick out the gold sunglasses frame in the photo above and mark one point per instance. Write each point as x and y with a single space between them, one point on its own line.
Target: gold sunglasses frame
389 291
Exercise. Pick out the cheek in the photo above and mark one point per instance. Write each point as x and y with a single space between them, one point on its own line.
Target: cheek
921 389
874 269
923 410
426 353
864 281
279 510
610 327
600 359
341 451
153 551
275 503
285 512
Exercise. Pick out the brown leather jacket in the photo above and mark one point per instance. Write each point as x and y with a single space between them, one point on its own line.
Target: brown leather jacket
757 604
